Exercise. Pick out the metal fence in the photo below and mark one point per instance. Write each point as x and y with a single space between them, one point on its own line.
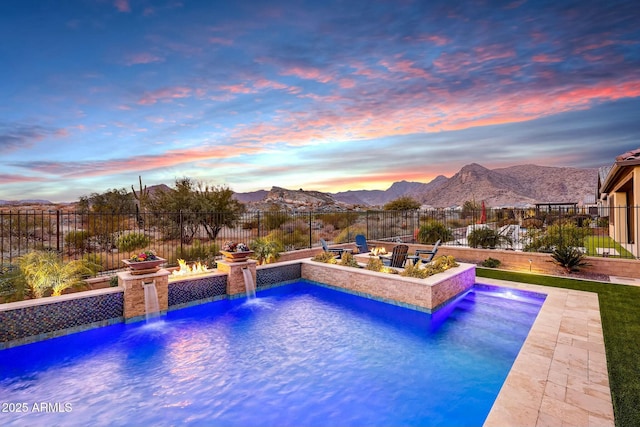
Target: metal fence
106 239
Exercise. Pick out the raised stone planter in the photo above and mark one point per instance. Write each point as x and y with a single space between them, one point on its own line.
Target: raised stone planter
425 294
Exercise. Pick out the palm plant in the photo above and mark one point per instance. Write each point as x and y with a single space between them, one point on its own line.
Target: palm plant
45 271
266 250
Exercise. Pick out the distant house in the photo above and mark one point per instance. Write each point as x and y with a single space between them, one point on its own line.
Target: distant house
619 192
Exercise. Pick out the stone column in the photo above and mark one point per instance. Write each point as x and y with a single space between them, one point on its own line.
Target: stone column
133 285
235 279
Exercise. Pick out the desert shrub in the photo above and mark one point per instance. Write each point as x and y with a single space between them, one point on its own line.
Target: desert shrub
444 262
274 218
250 224
532 223
326 257
491 263
486 238
78 240
291 238
457 223
349 234
440 264
348 260
570 258
339 220
94 262
132 242
12 284
558 235
374 264
198 252
433 231
416 271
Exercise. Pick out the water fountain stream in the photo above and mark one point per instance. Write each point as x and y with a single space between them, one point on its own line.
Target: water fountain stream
151 304
248 283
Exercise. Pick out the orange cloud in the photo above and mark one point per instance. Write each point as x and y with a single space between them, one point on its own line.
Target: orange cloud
143 162
448 113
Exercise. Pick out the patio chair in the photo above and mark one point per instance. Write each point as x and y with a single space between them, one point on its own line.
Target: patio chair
397 258
336 251
361 244
429 252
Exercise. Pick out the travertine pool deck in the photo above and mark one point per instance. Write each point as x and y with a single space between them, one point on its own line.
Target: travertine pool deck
560 375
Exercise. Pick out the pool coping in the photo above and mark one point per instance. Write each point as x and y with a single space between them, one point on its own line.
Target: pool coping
560 376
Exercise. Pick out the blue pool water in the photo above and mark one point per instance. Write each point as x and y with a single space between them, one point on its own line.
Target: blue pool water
298 355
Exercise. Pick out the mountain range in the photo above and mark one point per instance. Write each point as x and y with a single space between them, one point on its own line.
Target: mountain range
512 186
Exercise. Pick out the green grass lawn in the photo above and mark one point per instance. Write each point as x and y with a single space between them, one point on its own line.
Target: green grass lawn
591 243
620 312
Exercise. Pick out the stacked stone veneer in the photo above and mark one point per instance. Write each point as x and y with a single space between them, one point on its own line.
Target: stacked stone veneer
541 263
133 285
425 294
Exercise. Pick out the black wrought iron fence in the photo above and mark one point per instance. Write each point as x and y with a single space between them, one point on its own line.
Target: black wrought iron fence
108 238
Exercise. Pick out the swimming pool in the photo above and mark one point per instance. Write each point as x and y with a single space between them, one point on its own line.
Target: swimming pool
300 354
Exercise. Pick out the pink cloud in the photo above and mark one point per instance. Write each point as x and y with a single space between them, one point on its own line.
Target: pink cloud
142 58
165 94
308 73
12 179
544 58
422 113
146 162
269 84
221 41
239 88
122 5
408 68
433 39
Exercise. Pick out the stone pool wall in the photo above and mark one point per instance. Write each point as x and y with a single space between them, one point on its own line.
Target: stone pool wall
35 320
424 294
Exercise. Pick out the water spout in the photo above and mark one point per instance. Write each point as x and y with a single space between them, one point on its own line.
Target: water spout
248 283
151 304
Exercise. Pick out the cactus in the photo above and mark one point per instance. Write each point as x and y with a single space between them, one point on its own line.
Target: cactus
141 199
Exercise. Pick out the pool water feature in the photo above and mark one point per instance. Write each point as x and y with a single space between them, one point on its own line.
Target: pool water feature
299 354
151 304
248 283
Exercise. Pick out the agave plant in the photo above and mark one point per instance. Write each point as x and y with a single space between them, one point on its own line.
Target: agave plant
569 257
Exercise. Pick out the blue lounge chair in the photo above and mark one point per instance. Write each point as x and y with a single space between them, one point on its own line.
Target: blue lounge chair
398 256
336 251
361 244
429 252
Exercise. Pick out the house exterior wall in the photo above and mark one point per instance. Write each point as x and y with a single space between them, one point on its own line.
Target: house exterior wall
624 224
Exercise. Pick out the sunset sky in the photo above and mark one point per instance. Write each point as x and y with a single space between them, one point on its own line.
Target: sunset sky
320 95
